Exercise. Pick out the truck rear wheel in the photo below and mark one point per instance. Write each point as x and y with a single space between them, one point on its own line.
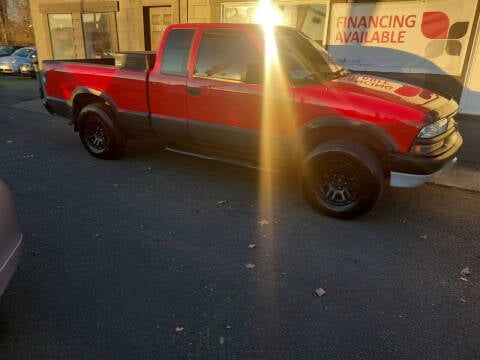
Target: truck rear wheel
342 179
98 132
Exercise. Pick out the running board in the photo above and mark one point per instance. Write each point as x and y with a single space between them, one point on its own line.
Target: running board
223 159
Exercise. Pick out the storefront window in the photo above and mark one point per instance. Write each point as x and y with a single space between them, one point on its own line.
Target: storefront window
238 13
98 31
61 34
309 18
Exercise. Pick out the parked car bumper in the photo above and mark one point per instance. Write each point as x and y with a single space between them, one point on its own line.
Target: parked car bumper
7 69
9 260
10 237
27 69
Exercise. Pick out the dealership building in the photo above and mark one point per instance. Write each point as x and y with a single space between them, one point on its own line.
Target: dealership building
431 43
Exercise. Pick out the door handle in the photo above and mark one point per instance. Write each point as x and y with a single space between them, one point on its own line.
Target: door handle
195 91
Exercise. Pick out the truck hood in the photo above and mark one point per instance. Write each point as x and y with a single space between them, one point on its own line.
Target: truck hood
393 95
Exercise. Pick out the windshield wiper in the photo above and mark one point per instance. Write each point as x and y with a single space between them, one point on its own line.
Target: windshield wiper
339 73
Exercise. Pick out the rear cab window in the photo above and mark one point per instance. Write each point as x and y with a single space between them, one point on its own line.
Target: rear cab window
176 52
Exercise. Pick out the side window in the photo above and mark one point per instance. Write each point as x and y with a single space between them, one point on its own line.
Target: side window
225 54
176 52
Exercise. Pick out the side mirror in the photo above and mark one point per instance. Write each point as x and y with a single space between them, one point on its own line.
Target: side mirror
253 74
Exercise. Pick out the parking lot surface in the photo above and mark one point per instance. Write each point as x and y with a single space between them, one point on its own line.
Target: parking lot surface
159 255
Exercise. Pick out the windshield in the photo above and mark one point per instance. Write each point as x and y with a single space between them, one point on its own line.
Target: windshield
23 52
304 60
5 50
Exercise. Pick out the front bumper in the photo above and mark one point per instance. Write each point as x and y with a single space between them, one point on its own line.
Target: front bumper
410 169
412 180
8 69
9 262
27 72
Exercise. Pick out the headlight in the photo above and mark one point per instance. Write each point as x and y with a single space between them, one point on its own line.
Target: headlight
434 129
26 66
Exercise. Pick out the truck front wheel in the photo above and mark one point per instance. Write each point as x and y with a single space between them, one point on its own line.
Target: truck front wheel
98 132
342 179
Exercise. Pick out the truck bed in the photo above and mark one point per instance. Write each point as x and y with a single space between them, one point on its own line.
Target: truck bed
123 77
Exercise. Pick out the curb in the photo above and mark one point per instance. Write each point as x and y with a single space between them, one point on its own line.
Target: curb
464 176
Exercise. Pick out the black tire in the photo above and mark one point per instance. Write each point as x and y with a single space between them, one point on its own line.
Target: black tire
342 179
99 134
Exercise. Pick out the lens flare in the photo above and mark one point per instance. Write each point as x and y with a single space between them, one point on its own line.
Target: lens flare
277 111
267 15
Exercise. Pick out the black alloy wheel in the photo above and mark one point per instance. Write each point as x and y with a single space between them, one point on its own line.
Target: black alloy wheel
99 133
342 179
337 182
94 135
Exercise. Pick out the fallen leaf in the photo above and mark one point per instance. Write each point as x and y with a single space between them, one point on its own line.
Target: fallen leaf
228 326
463 300
263 222
463 279
221 202
320 292
179 328
252 246
423 237
465 271
115 185
250 266
149 168
9 141
221 340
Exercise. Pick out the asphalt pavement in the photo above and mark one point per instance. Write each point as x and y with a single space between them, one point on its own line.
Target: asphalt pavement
163 256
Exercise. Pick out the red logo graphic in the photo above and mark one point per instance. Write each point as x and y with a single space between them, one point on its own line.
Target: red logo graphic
445 37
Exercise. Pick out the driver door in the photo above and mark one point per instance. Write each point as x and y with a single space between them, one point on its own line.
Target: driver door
224 111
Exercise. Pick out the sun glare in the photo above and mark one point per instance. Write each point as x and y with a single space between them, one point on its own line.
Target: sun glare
276 109
267 15
278 118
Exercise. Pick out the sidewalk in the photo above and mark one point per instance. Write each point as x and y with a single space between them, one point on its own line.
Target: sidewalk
463 175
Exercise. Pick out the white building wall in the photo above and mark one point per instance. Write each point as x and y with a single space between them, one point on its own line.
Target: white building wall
470 100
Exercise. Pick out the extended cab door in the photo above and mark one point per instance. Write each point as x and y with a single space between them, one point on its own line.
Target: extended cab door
223 109
168 85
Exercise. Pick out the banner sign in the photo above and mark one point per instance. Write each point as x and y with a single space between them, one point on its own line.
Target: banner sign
429 36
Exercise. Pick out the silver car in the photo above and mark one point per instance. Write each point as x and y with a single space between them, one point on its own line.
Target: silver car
11 64
10 237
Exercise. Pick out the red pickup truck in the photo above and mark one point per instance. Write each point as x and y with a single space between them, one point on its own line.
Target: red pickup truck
205 91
